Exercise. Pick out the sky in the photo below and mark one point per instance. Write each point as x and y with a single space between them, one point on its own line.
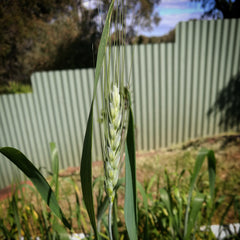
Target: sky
172 12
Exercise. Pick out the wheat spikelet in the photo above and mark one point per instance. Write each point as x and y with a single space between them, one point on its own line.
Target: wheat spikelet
113 141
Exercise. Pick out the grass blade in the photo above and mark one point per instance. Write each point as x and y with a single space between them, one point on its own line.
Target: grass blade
130 204
55 166
86 172
145 205
102 47
60 231
211 172
144 195
196 207
14 206
166 199
102 208
203 153
4 233
86 161
20 160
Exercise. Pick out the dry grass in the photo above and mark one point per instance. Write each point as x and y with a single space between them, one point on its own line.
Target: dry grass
172 160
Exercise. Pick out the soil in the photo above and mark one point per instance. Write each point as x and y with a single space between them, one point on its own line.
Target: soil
173 160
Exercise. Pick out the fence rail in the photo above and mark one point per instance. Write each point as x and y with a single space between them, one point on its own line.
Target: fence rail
173 85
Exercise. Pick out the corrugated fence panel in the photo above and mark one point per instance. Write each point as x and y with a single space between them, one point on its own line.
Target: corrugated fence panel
173 87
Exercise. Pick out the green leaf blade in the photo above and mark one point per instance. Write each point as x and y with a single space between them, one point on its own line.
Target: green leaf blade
55 166
21 161
166 200
102 47
196 209
86 172
145 205
86 160
130 204
212 173
203 153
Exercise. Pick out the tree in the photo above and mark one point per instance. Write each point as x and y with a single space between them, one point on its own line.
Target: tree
38 35
21 23
221 8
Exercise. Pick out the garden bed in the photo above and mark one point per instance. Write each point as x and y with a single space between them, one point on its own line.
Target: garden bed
152 167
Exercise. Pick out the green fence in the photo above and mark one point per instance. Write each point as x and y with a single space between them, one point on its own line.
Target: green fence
173 85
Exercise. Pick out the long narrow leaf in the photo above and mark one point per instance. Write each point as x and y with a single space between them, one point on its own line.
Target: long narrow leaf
144 195
130 205
86 161
145 205
86 172
102 47
5 232
55 166
20 160
199 161
203 153
212 173
166 200
14 206
60 231
196 207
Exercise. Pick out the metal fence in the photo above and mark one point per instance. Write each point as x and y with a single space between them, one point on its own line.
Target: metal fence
173 87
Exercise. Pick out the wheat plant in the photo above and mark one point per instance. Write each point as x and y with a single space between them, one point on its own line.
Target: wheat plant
117 117
112 151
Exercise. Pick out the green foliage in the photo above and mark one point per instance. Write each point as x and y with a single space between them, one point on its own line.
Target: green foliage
15 87
168 38
163 215
50 35
24 26
37 179
190 218
86 172
173 214
220 8
86 161
27 216
161 209
130 204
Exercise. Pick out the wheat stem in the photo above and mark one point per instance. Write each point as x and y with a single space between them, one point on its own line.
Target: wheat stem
110 220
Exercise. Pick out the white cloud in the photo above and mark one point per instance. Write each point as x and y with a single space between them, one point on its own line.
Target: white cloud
174 11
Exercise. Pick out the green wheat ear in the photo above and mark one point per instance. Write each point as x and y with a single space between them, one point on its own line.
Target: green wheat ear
113 141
